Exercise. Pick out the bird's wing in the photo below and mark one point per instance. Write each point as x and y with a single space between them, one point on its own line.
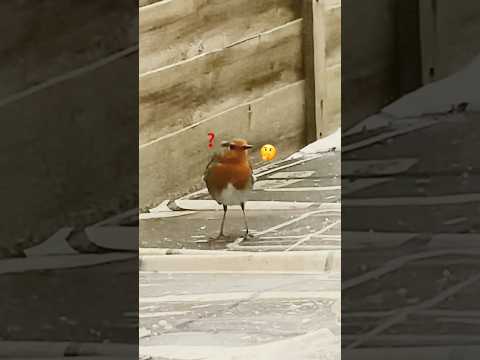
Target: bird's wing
213 161
252 177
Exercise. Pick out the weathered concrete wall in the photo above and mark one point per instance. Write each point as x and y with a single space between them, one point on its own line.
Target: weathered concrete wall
234 67
61 96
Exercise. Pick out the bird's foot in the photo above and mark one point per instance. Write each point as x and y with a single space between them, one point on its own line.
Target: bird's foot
248 236
220 237
217 242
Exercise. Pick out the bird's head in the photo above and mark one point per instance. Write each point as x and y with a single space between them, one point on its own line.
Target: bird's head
239 145
237 148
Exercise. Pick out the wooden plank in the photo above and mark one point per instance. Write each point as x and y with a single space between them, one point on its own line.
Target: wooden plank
408 49
177 96
314 50
457 34
40 49
333 100
330 4
147 2
277 117
177 30
333 17
369 58
428 38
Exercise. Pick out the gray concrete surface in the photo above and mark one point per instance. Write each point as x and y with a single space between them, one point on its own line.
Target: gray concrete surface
86 304
231 314
315 180
261 298
432 208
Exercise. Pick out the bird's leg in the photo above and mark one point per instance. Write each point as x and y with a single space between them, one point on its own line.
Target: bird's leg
247 234
220 236
223 220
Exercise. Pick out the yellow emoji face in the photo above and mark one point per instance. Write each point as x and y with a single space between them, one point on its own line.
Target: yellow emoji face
268 152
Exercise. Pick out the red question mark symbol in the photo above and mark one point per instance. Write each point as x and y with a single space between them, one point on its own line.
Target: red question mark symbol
211 135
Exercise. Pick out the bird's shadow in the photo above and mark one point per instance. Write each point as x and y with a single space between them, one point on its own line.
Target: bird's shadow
217 243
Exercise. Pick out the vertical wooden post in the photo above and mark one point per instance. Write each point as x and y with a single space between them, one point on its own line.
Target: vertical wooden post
408 48
314 58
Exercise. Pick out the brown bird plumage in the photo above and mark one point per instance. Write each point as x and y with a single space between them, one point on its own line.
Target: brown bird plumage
229 178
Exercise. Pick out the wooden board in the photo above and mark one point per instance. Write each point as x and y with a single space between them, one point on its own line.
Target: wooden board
147 2
322 29
175 164
333 100
177 30
39 43
314 49
178 96
368 58
333 31
449 34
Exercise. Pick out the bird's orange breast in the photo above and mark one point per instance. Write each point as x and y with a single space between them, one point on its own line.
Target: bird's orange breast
221 174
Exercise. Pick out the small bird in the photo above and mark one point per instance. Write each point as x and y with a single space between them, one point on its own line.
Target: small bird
230 179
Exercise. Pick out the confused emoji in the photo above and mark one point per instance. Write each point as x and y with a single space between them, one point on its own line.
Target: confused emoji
268 152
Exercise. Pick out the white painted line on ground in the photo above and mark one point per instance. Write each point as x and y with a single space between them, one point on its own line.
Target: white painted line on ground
55 245
389 134
292 174
293 221
192 206
350 187
455 221
376 121
114 237
18 265
163 211
327 144
161 314
377 167
201 205
164 214
116 219
260 172
274 184
414 200
368 240
324 208
234 296
295 189
287 237
309 236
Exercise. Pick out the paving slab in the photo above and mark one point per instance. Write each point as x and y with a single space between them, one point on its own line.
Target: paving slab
235 313
416 292
315 180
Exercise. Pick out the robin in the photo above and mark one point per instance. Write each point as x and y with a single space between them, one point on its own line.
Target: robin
229 178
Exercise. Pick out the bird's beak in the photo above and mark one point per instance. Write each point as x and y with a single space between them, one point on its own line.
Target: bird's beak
248 146
225 144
